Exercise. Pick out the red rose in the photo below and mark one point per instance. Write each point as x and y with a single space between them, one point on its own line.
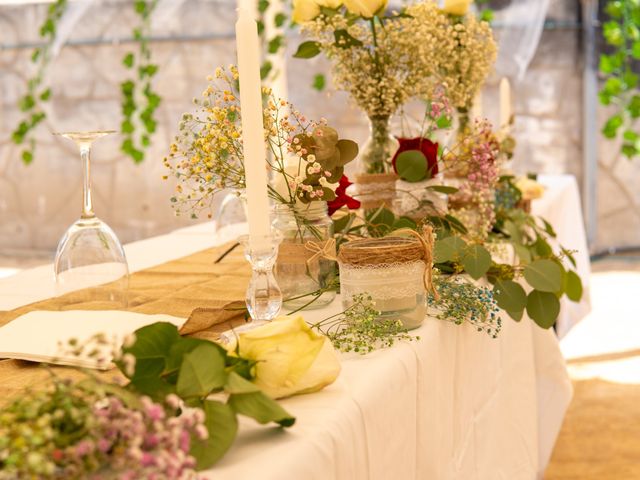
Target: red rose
428 148
342 198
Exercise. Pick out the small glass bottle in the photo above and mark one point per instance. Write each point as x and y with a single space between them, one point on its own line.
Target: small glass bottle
306 262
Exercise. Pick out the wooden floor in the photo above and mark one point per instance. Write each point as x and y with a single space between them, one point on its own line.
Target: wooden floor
600 437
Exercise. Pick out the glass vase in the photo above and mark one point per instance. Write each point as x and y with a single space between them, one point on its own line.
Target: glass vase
379 148
306 266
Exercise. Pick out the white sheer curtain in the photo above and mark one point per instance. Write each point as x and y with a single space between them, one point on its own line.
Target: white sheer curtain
518 27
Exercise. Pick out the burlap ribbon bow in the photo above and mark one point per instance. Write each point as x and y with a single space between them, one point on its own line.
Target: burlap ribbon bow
427 240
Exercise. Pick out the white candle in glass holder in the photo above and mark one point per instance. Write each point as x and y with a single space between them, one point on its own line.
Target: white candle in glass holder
505 102
255 162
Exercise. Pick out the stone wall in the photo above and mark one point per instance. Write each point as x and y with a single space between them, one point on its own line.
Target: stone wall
39 201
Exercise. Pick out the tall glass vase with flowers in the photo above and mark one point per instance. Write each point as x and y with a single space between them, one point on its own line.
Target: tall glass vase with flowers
306 162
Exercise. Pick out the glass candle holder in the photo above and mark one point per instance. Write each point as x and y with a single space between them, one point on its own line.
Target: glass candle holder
263 297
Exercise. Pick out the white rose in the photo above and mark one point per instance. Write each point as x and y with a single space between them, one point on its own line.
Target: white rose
365 8
291 358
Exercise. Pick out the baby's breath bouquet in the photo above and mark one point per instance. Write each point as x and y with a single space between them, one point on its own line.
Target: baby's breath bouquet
306 157
383 59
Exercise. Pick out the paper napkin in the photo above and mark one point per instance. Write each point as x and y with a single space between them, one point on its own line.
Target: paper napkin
37 336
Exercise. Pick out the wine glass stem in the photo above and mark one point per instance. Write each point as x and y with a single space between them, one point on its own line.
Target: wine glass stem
87 204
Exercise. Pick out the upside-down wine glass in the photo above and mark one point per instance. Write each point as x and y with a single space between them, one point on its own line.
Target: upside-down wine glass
90 260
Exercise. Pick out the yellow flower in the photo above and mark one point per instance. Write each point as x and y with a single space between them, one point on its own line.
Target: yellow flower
530 188
304 11
291 358
456 7
329 3
365 8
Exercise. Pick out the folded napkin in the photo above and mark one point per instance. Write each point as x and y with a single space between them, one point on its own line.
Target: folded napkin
43 336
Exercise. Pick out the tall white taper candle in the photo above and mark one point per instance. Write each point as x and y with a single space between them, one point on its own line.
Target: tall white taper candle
255 162
505 102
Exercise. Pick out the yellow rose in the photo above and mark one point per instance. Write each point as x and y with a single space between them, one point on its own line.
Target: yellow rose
329 3
365 8
456 7
291 358
305 10
530 188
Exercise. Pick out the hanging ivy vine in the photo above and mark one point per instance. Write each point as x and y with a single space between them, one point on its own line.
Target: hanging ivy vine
622 33
139 101
31 104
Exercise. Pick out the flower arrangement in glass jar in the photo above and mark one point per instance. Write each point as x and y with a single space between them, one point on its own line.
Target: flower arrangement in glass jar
306 159
385 59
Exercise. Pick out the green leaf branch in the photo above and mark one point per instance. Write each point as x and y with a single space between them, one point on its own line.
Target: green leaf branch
161 362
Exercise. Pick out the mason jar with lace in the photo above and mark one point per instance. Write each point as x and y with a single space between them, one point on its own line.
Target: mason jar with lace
306 267
392 271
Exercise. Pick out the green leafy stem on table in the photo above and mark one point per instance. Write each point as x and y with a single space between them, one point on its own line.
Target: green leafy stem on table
195 369
539 267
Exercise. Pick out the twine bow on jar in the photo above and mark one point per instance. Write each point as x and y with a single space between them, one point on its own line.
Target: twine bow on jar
427 241
326 250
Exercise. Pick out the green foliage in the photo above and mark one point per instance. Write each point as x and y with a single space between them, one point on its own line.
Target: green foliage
543 308
539 266
622 33
31 104
319 82
139 102
413 166
510 295
308 49
382 221
194 369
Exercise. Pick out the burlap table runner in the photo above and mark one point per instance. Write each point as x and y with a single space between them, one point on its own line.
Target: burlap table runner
190 285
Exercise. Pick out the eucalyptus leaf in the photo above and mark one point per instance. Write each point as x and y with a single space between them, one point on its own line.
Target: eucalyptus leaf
523 252
573 286
201 372
476 261
516 315
222 425
348 151
412 165
543 308
448 249
510 296
307 49
544 275
261 408
404 222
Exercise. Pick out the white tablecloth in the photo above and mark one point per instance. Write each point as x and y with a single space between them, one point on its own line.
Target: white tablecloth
455 404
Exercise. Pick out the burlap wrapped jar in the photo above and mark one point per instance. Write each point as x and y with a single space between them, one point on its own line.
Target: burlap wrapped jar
395 271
